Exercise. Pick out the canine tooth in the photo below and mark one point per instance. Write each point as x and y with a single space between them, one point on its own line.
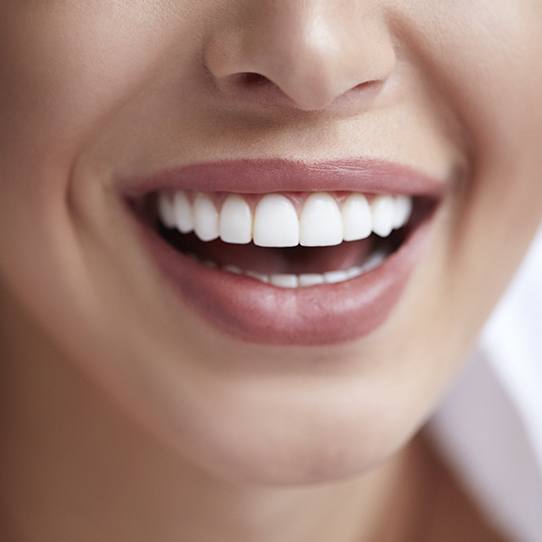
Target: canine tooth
284 280
165 210
235 220
320 221
182 212
232 269
258 276
383 210
275 222
357 219
311 279
333 277
205 218
403 210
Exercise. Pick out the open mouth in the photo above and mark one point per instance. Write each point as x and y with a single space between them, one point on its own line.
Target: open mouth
295 240
288 266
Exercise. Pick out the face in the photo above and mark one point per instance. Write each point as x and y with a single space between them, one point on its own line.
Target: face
133 133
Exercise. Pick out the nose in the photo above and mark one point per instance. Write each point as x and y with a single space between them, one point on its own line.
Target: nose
310 53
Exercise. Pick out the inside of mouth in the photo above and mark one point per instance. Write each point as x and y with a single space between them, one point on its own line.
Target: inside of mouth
298 260
291 260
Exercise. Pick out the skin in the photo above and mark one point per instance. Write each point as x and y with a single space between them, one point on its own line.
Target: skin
127 417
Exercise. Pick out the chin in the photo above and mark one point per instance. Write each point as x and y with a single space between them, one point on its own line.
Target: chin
289 442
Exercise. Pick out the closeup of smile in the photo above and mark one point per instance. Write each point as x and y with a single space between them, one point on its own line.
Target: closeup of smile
279 252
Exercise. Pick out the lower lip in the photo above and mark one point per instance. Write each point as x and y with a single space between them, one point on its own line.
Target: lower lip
256 312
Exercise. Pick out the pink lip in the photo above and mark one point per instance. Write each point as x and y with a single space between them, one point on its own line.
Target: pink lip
320 315
277 175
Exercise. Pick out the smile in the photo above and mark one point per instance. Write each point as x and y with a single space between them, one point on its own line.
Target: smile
279 263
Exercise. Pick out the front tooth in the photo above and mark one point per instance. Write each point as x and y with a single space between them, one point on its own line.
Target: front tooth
357 219
335 276
275 222
235 221
284 280
165 210
183 212
383 211
205 218
403 210
321 221
311 279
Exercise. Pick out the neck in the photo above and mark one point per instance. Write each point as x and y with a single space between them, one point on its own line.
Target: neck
74 467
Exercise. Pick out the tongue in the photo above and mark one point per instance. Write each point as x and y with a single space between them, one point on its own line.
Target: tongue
294 260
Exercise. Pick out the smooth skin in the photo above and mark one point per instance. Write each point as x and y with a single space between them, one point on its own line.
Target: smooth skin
124 415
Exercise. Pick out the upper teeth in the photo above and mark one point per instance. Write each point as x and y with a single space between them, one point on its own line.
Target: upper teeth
274 220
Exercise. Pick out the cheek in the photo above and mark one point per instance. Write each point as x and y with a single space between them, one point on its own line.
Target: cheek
486 61
83 62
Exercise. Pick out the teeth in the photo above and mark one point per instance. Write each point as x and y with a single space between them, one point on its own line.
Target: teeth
357 219
235 221
311 279
287 280
403 210
275 222
321 221
258 276
205 218
233 269
354 272
383 210
333 277
284 280
183 212
165 210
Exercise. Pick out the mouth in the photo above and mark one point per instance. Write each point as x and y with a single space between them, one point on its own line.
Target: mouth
315 255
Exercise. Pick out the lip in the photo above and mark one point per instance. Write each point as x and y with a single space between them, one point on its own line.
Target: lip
278 175
252 311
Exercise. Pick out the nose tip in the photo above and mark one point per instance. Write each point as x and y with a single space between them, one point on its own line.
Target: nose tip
305 58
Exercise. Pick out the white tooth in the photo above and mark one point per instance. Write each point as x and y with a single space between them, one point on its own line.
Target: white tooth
275 222
311 279
258 276
183 212
284 280
403 210
383 210
205 218
357 220
354 272
210 264
320 221
232 269
335 276
235 220
165 210
374 261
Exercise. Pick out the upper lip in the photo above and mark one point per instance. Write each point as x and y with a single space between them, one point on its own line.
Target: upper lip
258 176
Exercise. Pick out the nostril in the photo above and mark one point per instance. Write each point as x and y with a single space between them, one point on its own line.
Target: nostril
253 79
366 85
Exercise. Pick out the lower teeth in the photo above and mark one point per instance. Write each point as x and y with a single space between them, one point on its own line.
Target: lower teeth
285 280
